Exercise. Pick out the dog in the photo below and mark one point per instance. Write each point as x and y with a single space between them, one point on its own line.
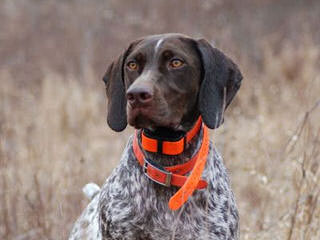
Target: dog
171 182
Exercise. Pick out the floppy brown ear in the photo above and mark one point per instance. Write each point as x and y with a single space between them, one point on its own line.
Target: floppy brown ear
221 81
115 89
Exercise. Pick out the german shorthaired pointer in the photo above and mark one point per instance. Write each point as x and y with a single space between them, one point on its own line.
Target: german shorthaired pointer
170 182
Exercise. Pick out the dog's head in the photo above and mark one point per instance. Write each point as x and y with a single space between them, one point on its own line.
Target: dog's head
168 81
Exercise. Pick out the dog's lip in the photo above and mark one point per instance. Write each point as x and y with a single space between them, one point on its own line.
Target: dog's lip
150 122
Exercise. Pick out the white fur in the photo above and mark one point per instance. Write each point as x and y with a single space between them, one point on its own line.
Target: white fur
91 190
158 45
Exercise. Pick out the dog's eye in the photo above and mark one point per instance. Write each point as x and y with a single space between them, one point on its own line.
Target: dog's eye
133 66
175 63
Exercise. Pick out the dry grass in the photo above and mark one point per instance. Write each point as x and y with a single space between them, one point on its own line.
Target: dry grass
53 133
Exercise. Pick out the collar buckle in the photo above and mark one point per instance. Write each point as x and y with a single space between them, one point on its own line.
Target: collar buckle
168 175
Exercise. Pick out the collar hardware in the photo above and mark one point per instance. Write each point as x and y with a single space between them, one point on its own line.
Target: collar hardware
151 170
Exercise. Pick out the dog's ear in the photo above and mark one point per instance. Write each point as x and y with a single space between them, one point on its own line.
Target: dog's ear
116 93
221 80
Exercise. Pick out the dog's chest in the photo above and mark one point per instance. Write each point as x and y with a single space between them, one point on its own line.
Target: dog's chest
133 207
142 212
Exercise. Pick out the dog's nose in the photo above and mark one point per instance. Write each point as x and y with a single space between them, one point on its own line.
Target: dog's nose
139 95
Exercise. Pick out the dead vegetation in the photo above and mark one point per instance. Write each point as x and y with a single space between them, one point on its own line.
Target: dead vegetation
53 133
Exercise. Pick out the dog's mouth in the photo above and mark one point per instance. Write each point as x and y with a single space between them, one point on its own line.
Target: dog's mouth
155 121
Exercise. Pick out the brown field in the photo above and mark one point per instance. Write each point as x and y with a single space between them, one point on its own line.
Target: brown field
53 134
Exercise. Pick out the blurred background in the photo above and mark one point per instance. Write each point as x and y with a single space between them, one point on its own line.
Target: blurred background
53 133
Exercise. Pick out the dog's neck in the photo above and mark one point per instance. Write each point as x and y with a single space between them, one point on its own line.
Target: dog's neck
169 160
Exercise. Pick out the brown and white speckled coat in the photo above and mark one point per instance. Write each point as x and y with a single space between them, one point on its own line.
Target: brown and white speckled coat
130 206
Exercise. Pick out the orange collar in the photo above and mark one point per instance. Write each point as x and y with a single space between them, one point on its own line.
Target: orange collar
164 146
174 175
